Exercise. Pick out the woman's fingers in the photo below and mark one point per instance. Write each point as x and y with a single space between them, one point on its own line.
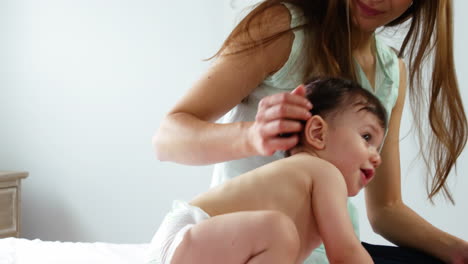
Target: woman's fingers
284 106
284 111
280 126
266 137
300 90
271 145
461 254
278 121
284 99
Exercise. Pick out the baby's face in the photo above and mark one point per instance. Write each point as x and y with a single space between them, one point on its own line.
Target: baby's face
353 144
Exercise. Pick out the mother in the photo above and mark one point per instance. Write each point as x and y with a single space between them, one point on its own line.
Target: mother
281 44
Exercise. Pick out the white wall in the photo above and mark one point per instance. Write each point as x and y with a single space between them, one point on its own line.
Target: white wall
84 84
83 87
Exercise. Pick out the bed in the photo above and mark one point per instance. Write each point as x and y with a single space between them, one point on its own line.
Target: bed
24 251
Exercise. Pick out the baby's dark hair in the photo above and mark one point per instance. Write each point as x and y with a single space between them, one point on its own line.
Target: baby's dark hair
332 95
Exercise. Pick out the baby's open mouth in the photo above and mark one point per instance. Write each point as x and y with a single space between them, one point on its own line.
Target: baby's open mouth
368 173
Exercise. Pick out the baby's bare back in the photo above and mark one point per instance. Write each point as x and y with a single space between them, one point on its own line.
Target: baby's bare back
284 185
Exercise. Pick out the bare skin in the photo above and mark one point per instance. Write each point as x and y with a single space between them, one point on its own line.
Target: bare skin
298 187
308 189
189 135
256 190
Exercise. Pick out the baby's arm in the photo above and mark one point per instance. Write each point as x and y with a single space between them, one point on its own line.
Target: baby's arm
329 202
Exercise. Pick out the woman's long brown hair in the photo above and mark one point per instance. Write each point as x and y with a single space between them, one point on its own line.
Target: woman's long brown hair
431 34
429 39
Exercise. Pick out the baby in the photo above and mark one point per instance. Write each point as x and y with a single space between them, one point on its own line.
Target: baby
280 212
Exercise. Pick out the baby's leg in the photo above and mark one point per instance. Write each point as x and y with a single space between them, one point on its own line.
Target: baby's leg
248 237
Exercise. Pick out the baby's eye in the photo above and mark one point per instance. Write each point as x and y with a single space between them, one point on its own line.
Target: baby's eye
367 137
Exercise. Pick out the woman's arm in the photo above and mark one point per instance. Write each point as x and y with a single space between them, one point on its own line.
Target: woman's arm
388 214
188 133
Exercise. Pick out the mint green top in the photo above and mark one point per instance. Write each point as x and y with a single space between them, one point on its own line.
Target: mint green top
288 78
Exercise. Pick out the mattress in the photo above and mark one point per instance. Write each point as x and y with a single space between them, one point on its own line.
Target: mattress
24 251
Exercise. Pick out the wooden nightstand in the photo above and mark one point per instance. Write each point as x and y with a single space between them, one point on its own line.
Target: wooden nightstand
10 201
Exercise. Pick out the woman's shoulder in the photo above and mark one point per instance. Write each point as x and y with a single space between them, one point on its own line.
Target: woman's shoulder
279 17
295 13
273 20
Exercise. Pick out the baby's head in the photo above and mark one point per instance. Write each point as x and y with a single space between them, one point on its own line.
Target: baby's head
347 129
332 96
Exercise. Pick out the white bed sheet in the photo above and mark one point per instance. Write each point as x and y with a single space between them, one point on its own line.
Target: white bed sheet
24 251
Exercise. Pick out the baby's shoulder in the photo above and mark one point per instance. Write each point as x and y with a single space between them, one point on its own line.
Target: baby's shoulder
307 166
307 161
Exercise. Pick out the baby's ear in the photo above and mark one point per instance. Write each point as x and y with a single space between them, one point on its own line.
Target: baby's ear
315 132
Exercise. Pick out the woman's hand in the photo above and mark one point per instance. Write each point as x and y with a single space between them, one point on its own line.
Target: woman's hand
460 255
279 115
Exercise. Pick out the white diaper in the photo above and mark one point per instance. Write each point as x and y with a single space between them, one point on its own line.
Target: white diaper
170 234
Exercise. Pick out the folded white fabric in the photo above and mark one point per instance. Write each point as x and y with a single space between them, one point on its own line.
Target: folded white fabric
24 251
7 251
